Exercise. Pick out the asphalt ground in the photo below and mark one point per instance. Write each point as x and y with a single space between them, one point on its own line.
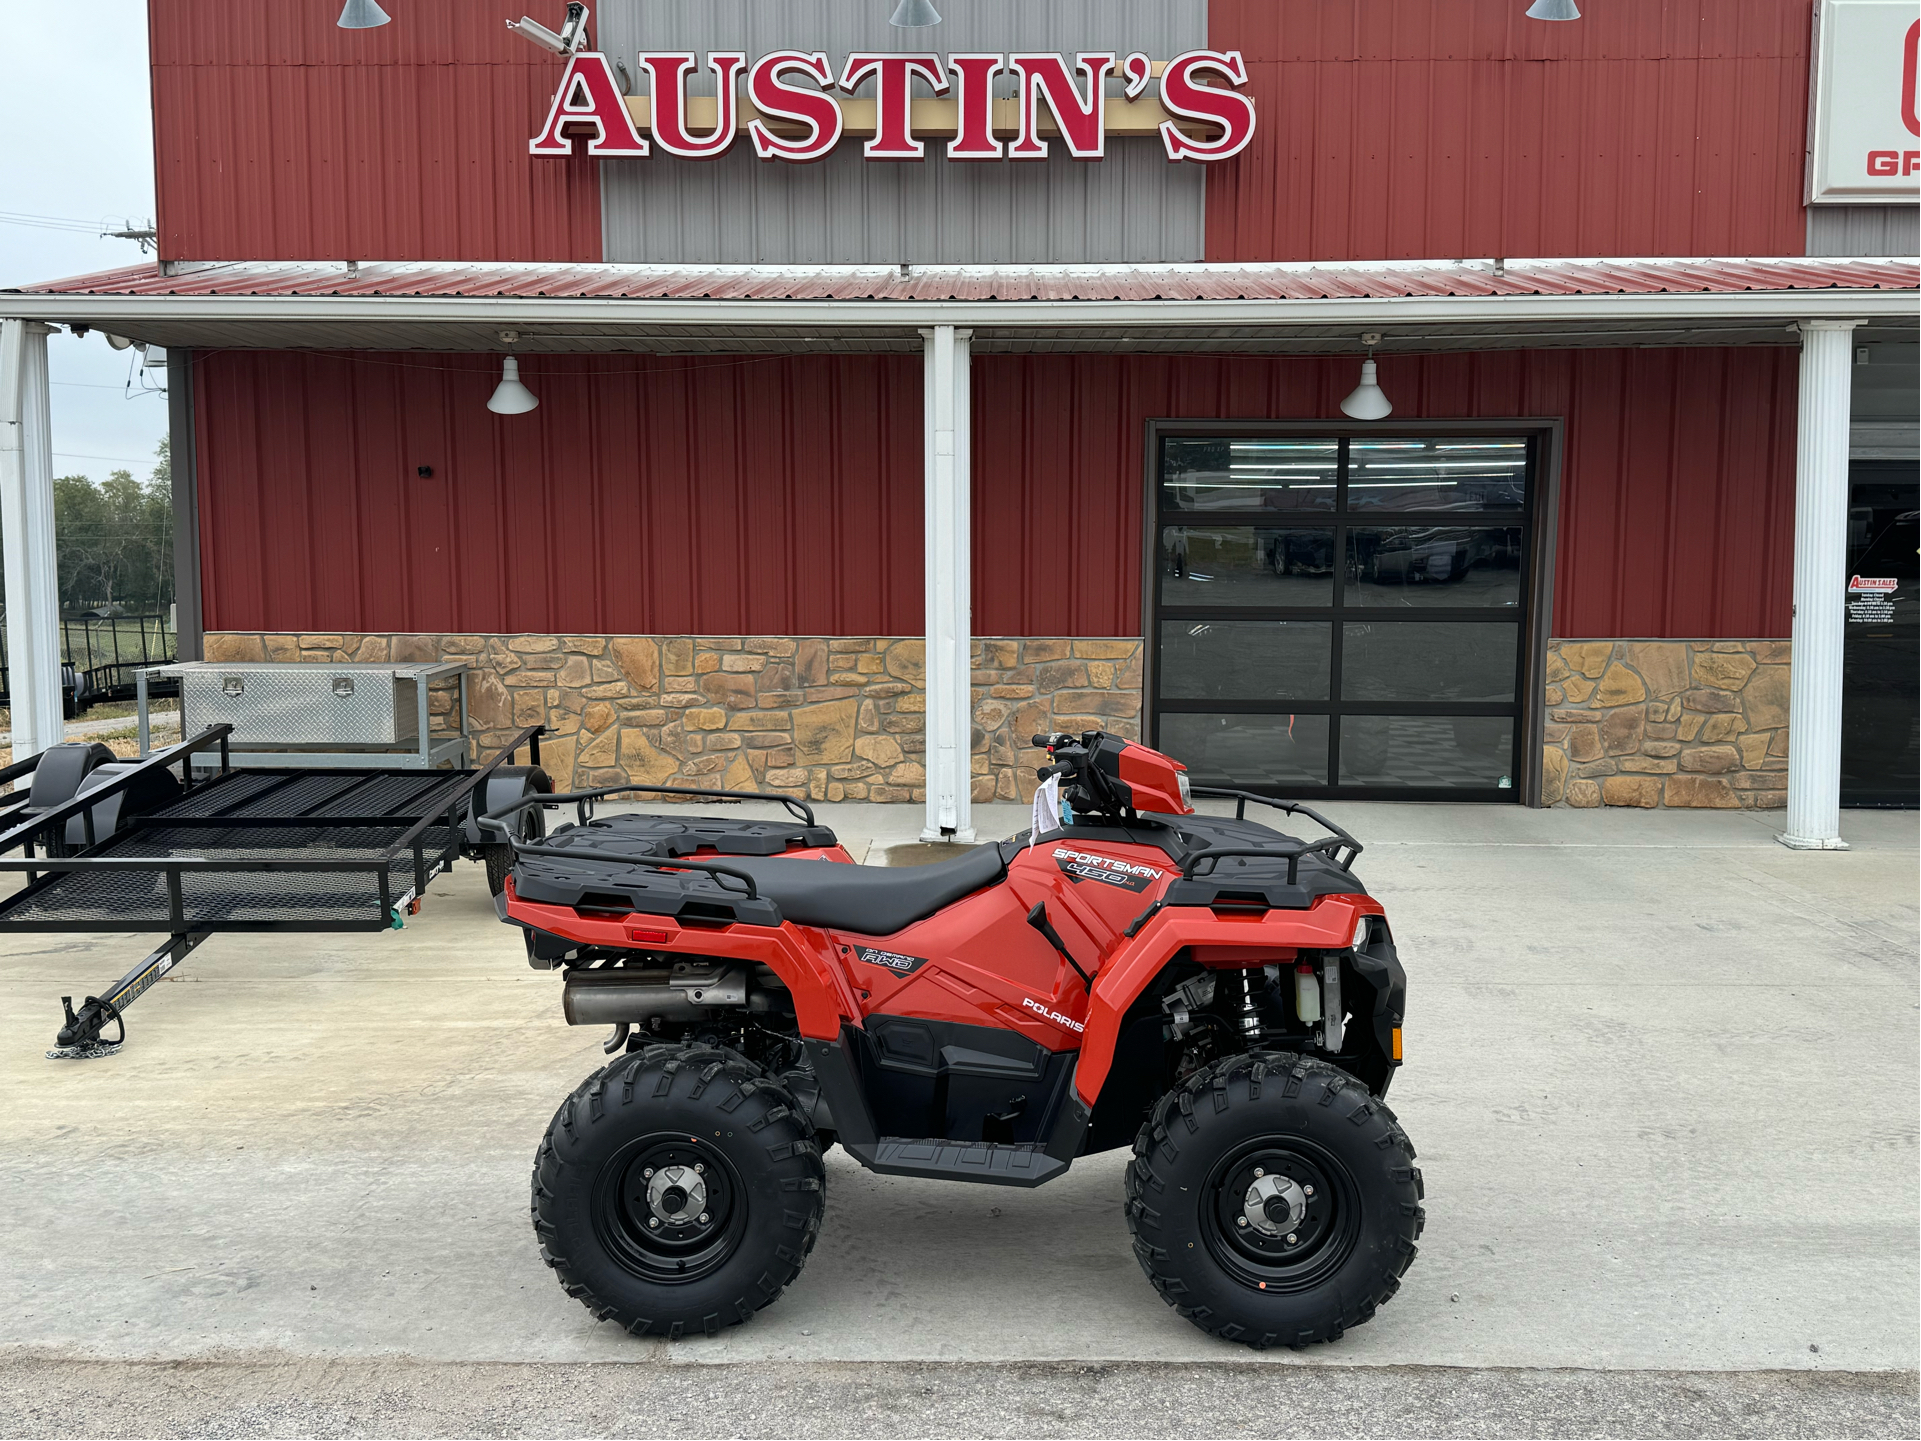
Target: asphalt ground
1662 1073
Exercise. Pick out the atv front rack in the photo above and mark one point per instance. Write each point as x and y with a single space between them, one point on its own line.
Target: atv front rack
1288 849
239 850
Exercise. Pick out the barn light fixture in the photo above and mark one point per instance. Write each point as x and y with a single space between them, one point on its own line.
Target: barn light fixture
510 397
1367 401
362 15
1553 10
910 14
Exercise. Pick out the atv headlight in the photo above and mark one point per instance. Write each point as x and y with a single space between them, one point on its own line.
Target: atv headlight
1187 790
1360 933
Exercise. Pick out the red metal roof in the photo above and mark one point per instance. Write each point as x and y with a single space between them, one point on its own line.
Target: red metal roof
1382 280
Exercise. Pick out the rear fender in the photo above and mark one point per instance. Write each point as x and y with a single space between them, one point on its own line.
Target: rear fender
801 956
1327 926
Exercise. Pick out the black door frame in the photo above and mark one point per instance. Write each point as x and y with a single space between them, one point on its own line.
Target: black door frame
1547 433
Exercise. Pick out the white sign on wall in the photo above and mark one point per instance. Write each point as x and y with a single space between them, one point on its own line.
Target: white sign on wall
1864 135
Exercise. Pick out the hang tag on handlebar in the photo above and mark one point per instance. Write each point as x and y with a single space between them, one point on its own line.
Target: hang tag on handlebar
1048 808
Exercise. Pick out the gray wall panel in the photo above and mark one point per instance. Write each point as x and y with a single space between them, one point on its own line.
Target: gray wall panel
1132 206
1864 230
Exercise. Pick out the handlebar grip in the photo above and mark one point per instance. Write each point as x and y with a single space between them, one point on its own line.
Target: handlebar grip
1042 742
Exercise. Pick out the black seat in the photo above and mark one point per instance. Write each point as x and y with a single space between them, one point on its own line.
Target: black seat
869 900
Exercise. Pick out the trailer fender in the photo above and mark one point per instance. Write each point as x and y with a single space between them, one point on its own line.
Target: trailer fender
60 770
503 788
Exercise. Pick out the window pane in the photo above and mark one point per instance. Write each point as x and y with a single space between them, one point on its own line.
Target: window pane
1440 661
1436 474
1434 565
1427 751
1240 565
1248 750
1245 659
1222 474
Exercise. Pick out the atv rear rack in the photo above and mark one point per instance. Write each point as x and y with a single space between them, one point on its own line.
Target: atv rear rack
291 850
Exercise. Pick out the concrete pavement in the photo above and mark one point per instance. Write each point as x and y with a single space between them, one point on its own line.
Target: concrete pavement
1662 1073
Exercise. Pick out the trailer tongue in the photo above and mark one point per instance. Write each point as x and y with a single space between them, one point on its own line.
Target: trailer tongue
189 846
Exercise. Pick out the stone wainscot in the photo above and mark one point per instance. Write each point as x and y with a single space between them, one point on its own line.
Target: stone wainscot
1692 723
825 718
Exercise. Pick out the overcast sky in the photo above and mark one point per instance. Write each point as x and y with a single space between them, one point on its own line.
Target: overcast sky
76 110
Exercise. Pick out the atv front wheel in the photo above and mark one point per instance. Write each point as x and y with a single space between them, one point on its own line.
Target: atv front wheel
677 1190
1272 1199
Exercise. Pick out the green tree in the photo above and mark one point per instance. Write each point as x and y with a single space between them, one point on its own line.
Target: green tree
114 540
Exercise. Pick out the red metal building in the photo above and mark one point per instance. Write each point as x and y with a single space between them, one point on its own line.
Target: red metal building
782 406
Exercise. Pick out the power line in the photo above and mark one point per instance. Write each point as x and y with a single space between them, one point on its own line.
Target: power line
58 222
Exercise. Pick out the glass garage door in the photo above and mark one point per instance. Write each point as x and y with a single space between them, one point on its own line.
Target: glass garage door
1343 615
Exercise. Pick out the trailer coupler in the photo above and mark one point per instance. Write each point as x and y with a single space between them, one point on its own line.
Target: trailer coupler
80 1038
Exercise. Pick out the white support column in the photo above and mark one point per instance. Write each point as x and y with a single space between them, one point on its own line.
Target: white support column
26 530
950 609
1820 586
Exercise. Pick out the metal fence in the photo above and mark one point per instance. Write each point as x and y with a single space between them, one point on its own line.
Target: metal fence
99 655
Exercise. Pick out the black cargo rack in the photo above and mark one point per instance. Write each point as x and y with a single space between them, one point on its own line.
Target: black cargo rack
239 850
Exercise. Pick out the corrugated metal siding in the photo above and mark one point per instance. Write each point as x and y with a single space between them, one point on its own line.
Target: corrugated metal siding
645 496
1133 206
1396 129
1864 230
1677 490
278 135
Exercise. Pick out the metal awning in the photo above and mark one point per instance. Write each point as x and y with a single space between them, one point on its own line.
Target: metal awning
1293 308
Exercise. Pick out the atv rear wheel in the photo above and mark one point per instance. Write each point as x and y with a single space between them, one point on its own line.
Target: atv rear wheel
679 1189
1272 1199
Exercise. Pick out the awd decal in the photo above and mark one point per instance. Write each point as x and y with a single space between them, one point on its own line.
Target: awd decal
890 960
1030 1004
1086 866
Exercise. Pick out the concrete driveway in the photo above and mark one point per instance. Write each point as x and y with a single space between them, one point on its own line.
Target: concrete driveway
1661 1071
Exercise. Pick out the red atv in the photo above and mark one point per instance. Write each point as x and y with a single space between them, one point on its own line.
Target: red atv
1223 998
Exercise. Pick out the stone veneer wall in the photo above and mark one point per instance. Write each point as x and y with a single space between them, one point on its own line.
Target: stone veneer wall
1666 723
826 718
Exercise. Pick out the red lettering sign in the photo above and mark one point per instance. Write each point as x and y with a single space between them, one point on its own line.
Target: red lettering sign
1908 115
893 95
588 97
1082 122
1183 95
811 108
798 121
669 72
974 77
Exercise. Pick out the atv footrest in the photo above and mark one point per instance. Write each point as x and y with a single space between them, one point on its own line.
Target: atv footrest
993 1163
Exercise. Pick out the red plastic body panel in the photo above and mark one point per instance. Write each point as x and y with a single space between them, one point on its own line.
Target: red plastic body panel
1153 778
979 963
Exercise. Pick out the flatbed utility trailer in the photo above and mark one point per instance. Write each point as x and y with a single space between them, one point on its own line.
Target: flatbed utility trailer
188 845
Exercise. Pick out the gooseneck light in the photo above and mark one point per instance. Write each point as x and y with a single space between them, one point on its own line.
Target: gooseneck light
362 15
911 14
1367 401
510 397
1553 10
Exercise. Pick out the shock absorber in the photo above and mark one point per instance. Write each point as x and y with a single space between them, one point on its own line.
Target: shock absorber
1250 1014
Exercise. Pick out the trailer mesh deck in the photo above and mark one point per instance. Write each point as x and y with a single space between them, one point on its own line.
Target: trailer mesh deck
257 850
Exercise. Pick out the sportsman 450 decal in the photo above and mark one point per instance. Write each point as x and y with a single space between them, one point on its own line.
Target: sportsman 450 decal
1086 866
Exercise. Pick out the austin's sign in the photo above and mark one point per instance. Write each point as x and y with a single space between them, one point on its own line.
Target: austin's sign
796 107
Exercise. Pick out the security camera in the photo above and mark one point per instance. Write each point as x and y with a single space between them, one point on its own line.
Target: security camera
571 39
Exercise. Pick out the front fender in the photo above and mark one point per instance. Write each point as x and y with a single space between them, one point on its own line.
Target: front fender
1328 925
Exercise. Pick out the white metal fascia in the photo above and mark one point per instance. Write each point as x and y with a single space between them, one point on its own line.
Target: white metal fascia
1784 305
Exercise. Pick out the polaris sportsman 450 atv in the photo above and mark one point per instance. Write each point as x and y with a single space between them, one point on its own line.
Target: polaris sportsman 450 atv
1221 997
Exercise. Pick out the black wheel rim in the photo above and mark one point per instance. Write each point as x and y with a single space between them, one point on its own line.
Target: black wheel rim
668 1209
1281 1214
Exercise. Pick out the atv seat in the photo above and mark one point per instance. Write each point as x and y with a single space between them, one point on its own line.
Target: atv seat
869 900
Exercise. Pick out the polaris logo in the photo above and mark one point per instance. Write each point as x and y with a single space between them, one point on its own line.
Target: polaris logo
1085 865
1028 1003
